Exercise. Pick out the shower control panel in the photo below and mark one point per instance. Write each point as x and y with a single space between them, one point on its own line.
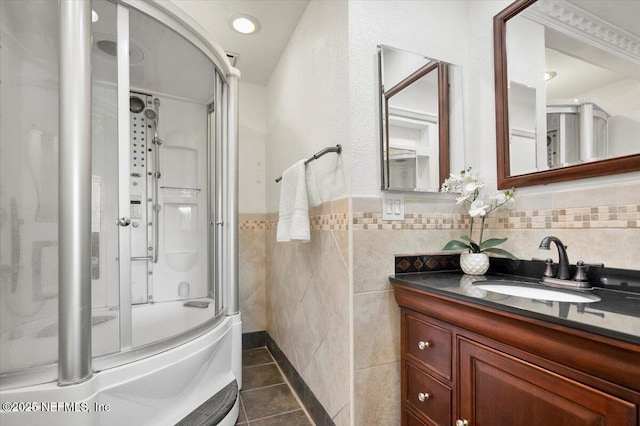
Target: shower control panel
136 207
141 195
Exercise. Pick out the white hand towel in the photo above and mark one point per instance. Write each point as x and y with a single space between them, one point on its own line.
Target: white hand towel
312 193
293 223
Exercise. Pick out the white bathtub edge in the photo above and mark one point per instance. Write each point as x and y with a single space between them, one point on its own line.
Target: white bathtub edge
140 387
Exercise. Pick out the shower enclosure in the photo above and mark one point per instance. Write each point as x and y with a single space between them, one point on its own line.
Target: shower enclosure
118 190
577 131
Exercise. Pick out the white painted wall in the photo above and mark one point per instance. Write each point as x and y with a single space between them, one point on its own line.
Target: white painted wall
480 131
460 32
438 31
252 122
308 102
526 46
183 219
310 87
620 99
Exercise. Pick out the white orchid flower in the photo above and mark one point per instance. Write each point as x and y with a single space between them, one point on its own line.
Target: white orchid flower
469 187
478 208
501 197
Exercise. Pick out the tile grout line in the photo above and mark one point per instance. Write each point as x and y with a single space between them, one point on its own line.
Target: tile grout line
295 394
242 408
378 365
275 415
266 387
258 365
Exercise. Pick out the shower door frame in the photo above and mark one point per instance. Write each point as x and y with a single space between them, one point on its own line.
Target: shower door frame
124 180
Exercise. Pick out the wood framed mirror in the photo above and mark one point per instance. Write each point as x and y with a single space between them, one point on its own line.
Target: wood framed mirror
585 127
414 119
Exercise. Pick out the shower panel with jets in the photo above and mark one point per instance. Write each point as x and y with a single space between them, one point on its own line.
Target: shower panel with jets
144 174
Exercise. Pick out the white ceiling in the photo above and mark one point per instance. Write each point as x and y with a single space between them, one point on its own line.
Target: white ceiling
158 54
259 53
582 67
575 76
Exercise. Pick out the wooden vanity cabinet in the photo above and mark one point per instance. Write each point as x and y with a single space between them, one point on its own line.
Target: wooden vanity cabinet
465 362
498 389
427 389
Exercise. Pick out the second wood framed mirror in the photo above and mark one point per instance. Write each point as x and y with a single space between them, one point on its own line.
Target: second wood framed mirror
567 76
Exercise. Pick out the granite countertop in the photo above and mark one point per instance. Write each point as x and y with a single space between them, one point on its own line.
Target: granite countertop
616 315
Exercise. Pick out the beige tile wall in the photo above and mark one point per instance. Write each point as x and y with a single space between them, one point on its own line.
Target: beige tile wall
251 274
376 315
308 304
299 292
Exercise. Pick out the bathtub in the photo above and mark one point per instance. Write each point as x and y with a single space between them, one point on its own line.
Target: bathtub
160 389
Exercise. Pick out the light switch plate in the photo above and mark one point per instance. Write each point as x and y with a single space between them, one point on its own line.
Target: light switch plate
392 206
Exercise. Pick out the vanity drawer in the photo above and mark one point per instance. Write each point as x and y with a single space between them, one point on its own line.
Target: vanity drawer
430 344
428 396
411 420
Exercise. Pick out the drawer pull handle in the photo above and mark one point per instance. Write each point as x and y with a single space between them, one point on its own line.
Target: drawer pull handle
462 423
422 397
423 345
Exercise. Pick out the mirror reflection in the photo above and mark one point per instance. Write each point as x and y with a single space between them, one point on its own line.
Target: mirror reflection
573 83
414 98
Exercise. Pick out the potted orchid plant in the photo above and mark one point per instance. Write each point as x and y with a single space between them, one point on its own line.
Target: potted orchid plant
468 185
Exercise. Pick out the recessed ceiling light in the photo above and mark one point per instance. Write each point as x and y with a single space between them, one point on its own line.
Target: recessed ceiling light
244 24
94 16
549 75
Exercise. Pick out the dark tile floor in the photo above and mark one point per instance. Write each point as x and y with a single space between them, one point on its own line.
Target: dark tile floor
266 399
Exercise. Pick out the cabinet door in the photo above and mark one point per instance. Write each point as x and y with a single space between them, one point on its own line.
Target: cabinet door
497 389
411 420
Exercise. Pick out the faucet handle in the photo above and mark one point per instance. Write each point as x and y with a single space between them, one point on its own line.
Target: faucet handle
548 270
581 272
582 268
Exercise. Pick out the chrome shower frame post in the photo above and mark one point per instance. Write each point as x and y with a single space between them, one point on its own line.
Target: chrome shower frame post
74 186
231 222
217 212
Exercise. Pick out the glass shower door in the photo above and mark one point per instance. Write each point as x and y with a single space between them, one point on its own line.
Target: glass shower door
105 278
28 184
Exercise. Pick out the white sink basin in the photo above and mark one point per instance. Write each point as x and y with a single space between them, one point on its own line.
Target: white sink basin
531 291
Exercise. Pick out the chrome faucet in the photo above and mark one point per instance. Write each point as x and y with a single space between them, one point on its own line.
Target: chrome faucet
563 259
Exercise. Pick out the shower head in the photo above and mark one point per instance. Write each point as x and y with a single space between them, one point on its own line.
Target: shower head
150 113
154 115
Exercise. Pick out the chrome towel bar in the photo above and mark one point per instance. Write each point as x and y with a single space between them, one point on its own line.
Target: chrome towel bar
337 149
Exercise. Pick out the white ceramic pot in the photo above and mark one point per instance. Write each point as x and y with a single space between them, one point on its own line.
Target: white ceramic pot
474 263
